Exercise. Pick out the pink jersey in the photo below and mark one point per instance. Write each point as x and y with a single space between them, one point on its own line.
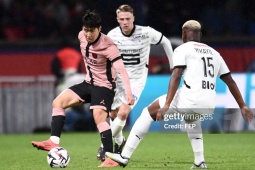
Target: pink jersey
99 58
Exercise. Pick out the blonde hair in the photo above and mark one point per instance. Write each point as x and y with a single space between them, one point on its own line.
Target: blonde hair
125 8
192 24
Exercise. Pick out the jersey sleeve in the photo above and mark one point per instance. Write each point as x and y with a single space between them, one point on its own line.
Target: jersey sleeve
112 52
179 57
168 50
155 36
223 67
109 34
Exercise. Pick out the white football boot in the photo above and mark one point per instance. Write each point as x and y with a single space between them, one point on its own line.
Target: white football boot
117 158
202 165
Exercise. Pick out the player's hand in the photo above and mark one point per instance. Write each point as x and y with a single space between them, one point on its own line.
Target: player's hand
247 114
161 112
130 99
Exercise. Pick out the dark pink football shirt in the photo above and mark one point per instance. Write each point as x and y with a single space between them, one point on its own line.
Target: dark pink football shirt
99 57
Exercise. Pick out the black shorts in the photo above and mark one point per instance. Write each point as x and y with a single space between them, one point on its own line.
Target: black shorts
100 97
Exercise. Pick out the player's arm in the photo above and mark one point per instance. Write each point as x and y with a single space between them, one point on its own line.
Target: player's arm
172 88
246 112
179 59
168 50
227 78
174 84
119 66
158 38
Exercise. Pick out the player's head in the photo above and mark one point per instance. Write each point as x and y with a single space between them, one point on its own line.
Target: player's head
91 25
191 31
126 18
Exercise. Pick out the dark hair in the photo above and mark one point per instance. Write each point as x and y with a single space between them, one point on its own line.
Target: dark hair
91 19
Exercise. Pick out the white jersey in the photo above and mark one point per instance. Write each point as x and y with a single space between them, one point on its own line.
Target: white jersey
135 50
202 65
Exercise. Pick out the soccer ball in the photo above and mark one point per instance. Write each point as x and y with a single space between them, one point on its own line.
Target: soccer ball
58 157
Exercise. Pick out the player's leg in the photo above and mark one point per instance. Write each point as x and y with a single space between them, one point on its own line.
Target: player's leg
117 126
64 100
122 115
101 151
112 116
138 131
101 101
192 126
104 129
119 139
195 136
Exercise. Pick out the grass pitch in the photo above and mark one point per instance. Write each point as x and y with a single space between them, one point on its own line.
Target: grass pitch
156 151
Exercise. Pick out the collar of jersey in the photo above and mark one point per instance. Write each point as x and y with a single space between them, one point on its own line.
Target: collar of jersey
133 30
96 39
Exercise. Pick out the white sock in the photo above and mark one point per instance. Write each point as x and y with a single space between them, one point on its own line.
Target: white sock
117 126
196 141
119 138
55 139
138 131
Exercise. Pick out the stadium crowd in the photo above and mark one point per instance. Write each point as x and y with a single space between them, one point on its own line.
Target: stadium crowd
28 19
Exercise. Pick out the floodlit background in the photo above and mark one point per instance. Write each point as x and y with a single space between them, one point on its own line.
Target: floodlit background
33 31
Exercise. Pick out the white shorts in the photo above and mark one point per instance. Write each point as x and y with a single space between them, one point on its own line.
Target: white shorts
120 96
184 107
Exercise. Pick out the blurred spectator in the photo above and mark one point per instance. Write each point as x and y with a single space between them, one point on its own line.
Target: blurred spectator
51 19
60 13
2 13
14 23
77 10
234 20
67 62
160 68
250 14
212 25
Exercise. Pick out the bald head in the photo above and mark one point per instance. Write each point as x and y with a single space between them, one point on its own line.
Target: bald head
191 31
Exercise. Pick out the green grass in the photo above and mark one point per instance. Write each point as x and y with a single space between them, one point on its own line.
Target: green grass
156 151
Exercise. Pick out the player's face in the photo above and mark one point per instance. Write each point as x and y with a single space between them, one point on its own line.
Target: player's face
126 21
91 34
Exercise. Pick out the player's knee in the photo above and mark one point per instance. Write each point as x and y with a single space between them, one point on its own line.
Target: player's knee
194 130
99 115
153 109
124 111
147 115
113 114
56 103
122 115
112 117
153 116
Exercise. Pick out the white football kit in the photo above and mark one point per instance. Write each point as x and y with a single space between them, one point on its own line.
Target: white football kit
135 50
202 66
